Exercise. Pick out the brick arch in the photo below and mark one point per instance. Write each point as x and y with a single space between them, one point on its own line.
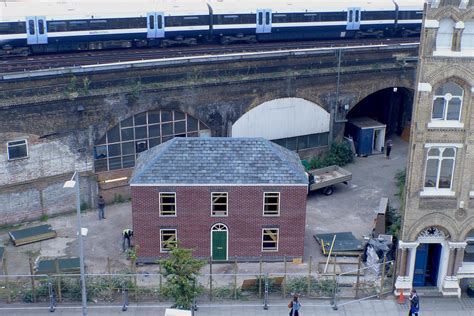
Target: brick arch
466 228
376 88
448 12
456 73
439 220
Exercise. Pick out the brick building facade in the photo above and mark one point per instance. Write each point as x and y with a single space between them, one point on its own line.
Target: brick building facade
224 197
437 242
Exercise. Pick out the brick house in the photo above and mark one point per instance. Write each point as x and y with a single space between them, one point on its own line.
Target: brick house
223 197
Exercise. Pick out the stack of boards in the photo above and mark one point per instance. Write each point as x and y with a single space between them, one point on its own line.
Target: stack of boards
32 234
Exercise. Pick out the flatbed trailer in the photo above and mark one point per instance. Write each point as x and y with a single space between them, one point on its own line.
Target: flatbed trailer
325 178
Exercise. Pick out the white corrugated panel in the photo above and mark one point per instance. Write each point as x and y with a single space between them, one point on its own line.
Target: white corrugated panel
282 118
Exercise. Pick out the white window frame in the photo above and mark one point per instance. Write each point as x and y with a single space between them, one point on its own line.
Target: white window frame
445 29
277 241
279 204
226 204
444 122
161 240
436 191
14 141
175 205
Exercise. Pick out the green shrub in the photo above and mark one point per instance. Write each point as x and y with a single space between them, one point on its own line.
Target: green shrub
84 206
322 287
339 154
44 218
118 198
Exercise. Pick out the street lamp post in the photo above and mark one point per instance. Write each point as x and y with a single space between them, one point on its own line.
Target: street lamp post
74 182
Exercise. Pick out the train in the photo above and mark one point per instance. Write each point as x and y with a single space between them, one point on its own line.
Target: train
47 26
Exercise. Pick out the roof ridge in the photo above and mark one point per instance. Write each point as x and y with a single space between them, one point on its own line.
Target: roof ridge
280 153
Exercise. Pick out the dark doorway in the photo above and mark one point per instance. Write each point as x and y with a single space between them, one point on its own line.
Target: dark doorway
427 265
391 106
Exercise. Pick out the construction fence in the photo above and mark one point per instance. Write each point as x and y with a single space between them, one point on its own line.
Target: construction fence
318 288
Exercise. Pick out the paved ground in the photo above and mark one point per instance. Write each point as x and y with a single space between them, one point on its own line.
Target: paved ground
387 307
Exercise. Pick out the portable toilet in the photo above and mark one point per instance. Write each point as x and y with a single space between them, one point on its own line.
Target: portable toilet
368 135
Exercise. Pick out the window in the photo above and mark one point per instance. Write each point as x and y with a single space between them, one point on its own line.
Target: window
469 250
168 239
167 204
444 37
447 102
31 27
440 168
219 204
57 26
12 28
304 141
271 204
17 149
270 239
467 38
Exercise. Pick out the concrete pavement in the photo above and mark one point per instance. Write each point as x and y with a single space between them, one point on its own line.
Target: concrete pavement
385 307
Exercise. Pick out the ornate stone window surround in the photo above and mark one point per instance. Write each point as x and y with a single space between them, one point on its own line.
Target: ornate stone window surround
448 99
457 30
436 190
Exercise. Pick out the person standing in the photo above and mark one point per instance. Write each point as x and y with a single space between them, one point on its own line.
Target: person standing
388 146
101 205
127 235
414 303
295 306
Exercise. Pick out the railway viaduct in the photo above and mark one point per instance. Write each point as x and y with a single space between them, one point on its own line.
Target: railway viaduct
63 113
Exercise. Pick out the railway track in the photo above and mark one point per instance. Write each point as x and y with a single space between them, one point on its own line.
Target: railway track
50 61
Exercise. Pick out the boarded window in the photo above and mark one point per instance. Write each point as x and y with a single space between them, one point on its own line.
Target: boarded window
167 204
270 239
271 204
219 204
168 239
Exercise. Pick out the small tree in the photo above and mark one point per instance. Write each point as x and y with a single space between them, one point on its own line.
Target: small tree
181 271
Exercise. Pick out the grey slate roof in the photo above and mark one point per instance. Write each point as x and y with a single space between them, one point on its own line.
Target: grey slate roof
218 160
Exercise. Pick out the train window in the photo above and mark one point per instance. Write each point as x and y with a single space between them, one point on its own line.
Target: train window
267 17
78 25
334 16
409 15
41 26
13 28
160 21
152 22
377 15
350 16
31 25
186 20
231 16
234 19
260 18
98 24
356 13
57 26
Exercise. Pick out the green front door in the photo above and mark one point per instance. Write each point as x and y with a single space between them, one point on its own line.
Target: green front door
219 245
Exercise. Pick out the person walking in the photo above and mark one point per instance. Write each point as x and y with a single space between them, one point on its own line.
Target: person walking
388 146
414 303
127 235
294 306
101 205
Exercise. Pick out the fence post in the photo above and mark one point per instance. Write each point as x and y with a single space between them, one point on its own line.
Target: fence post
5 272
382 279
265 299
334 305
160 278
125 298
358 277
33 290
210 278
235 277
109 278
260 279
134 271
284 278
52 298
58 281
309 274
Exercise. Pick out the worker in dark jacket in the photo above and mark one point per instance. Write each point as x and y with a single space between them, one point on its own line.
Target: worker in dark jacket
127 235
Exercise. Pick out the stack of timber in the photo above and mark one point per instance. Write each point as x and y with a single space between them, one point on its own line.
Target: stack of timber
32 234
345 244
59 266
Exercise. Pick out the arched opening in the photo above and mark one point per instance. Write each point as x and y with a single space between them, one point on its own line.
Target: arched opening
219 242
467 38
379 117
444 37
294 123
120 146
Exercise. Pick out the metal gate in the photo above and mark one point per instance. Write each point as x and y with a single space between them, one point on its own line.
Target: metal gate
264 21
36 30
353 19
155 23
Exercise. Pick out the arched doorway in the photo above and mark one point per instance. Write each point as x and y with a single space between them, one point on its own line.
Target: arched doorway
219 242
429 254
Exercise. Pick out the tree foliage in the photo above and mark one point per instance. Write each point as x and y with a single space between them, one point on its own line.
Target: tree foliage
181 271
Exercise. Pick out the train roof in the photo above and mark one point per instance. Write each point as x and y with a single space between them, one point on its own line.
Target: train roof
81 9
242 6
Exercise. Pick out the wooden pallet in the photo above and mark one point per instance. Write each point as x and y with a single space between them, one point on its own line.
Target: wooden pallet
32 234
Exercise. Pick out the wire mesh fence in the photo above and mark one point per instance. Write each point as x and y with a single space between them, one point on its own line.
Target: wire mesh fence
210 289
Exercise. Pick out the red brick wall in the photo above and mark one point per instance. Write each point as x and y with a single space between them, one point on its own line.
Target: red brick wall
245 220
